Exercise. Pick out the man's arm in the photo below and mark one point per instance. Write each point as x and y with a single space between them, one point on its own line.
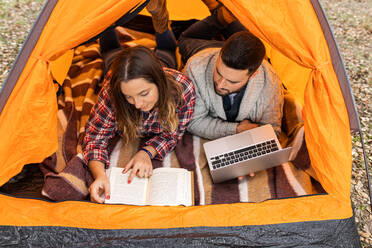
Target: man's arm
273 102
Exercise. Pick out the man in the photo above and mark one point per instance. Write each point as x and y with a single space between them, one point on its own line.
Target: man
236 89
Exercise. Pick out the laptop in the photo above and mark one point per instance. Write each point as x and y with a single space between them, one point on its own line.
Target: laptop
240 154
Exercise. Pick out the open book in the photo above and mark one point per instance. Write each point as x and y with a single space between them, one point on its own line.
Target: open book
166 187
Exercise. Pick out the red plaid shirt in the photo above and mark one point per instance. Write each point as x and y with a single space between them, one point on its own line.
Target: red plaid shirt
102 125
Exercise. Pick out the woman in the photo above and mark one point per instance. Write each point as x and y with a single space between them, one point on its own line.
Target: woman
139 98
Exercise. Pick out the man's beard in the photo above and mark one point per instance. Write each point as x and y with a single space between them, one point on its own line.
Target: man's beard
225 92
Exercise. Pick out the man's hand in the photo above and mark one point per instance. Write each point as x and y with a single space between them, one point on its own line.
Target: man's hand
99 189
250 174
141 166
245 125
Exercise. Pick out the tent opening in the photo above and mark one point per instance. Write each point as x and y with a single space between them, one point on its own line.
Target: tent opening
78 85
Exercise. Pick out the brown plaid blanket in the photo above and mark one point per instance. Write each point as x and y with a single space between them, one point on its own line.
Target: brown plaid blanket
66 177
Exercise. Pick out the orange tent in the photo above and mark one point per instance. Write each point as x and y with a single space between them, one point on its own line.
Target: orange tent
302 50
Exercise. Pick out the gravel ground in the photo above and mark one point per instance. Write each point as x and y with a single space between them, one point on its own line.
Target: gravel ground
351 22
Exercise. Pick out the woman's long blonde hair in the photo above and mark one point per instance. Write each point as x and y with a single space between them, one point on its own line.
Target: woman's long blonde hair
141 62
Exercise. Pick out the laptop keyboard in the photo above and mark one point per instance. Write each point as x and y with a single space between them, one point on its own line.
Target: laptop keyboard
244 154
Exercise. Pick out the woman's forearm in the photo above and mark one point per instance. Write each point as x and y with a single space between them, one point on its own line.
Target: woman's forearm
97 168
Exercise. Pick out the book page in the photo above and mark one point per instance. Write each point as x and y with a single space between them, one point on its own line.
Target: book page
170 187
134 193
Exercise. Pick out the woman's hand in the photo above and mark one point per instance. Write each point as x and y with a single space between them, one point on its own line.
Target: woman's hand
141 166
100 189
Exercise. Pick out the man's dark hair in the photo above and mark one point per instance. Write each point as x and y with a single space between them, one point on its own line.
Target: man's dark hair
243 51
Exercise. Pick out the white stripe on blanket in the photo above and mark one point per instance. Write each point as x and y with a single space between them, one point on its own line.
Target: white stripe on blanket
85 81
167 160
296 186
297 143
69 99
114 158
243 190
79 155
88 100
62 119
196 150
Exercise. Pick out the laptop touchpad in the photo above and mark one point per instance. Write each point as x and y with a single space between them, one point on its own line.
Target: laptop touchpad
241 140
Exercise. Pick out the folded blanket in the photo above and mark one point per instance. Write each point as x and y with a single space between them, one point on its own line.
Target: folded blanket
67 177
80 91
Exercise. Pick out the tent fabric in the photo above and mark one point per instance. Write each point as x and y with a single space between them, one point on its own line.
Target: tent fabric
33 102
25 52
339 68
324 107
296 44
31 212
332 233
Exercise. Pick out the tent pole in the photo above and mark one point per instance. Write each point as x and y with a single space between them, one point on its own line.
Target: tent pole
366 167
25 52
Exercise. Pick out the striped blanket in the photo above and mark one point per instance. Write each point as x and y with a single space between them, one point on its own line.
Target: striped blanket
66 177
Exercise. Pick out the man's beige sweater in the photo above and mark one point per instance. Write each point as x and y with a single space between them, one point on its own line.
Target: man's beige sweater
262 102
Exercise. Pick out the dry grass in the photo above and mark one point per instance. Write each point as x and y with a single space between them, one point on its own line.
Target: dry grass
17 18
351 22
